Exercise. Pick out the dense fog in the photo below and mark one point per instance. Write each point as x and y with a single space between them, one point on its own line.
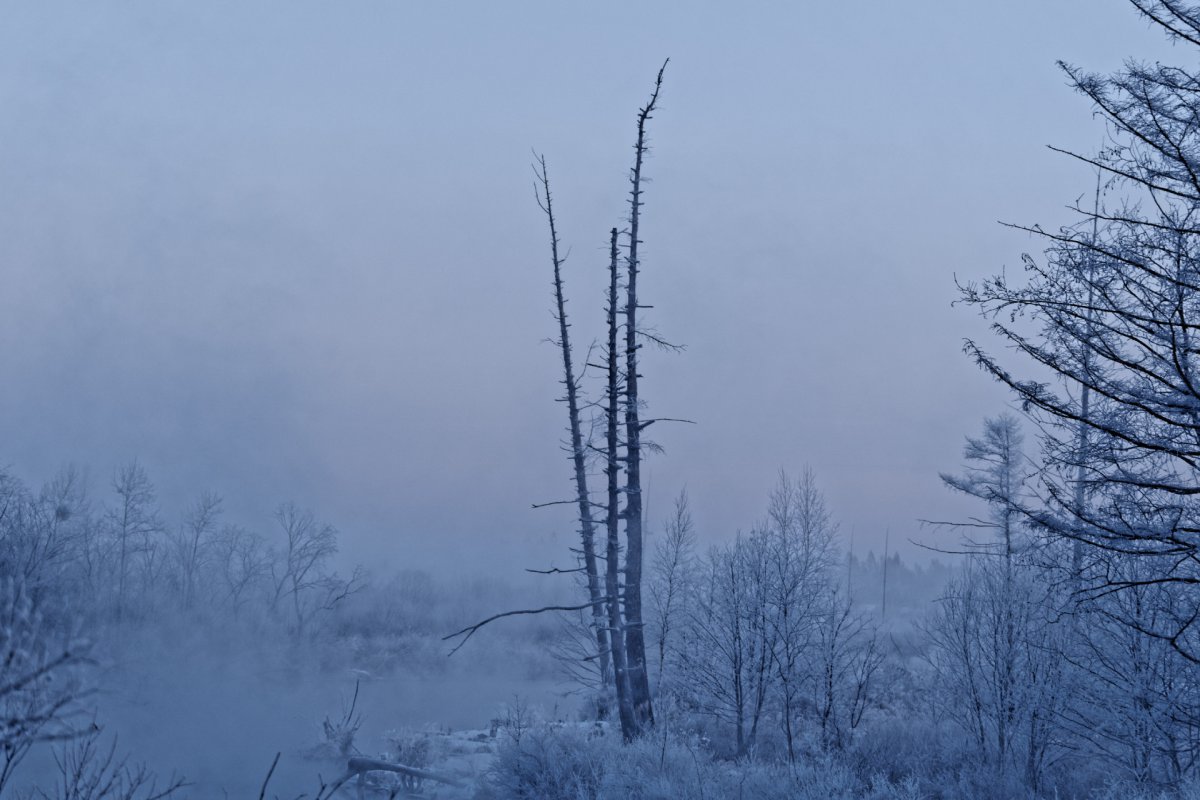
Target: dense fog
475 402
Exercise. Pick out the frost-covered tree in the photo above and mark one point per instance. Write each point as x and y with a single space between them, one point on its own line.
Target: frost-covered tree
728 662
800 531
1135 698
844 661
41 682
671 576
995 650
995 472
997 644
1109 313
768 640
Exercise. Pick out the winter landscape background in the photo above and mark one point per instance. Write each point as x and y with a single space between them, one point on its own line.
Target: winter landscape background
813 427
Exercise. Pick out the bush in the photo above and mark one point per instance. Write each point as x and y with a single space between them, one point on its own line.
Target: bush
548 763
576 762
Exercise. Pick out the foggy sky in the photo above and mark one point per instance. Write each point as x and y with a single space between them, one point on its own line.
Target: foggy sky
291 250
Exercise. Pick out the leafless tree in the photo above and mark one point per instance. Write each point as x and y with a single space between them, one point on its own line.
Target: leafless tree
41 683
1135 698
847 660
40 534
672 575
587 525
63 524
730 640
89 771
192 544
997 652
998 639
243 563
801 533
635 642
612 470
767 636
135 528
622 583
300 575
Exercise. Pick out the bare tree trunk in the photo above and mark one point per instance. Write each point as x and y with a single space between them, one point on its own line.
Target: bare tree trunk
629 724
635 644
587 527
1082 432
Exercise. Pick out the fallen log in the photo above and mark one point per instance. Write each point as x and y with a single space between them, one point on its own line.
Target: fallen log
358 766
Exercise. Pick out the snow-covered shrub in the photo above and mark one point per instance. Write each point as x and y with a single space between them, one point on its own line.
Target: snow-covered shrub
549 763
410 748
575 762
900 748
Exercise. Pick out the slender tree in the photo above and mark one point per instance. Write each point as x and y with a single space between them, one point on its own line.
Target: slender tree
630 726
135 527
800 531
635 641
587 525
672 574
191 546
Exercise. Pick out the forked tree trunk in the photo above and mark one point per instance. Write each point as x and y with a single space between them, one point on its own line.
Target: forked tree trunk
587 526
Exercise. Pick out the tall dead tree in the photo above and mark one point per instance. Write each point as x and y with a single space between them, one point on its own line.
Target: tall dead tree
587 525
612 469
622 596
635 641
